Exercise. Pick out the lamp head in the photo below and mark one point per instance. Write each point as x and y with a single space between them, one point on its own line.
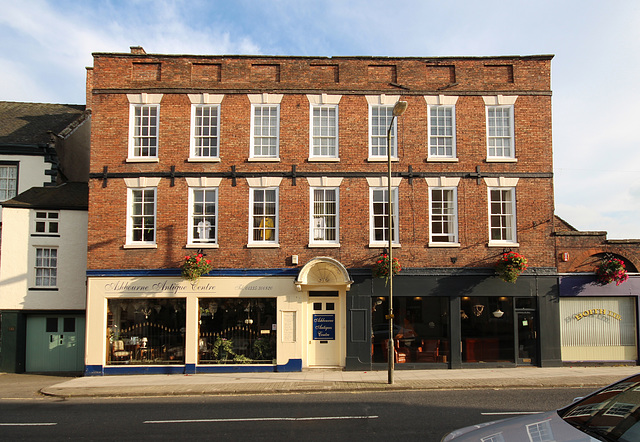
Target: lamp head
399 108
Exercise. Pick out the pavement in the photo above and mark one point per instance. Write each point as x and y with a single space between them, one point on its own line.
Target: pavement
30 386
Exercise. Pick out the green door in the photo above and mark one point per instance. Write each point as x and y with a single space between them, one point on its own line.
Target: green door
55 344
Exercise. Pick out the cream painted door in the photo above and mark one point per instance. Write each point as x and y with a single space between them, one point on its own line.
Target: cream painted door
325 339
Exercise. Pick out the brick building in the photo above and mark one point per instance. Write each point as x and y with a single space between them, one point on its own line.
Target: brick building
275 169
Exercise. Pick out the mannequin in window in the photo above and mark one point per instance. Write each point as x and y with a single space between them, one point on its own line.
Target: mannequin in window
319 228
204 229
267 228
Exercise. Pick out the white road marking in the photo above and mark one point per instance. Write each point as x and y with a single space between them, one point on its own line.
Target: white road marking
500 413
258 419
27 424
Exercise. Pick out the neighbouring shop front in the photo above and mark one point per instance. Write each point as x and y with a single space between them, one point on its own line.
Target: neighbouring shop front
461 320
599 322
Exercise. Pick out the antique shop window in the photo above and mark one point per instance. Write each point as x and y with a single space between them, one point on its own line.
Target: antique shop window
145 331
237 331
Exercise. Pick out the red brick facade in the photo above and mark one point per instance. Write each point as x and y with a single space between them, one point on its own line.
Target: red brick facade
469 78
580 251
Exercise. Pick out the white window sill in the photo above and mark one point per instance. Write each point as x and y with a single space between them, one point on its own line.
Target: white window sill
265 159
444 244
203 160
323 244
501 160
442 160
380 245
261 245
140 246
382 159
143 160
503 244
323 159
202 245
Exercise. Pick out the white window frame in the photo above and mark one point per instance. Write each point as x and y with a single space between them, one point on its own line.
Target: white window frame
439 137
373 242
436 216
201 101
508 220
271 242
46 223
318 221
387 102
212 241
8 181
273 133
131 215
316 137
214 138
46 267
495 103
379 133
143 101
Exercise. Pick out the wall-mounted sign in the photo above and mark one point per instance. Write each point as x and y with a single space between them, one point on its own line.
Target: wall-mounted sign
597 311
324 327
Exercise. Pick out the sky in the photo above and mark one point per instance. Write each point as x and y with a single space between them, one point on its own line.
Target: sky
45 46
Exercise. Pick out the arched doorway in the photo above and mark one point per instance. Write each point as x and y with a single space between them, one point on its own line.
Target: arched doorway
325 282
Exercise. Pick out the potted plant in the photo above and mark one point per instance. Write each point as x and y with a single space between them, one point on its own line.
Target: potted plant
510 266
381 267
194 266
611 269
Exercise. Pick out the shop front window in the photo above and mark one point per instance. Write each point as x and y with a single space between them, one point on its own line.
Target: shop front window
146 332
487 329
420 327
237 331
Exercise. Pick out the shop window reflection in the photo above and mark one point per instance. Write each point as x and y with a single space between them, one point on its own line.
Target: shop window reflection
487 329
421 329
237 331
148 332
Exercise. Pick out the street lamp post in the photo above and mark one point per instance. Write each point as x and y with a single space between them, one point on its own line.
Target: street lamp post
398 110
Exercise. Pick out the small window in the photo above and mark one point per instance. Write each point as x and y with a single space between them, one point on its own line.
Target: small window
46 222
52 325
8 181
69 325
330 306
46 267
317 306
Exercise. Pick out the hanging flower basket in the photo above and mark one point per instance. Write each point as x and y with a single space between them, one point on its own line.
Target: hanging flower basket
381 267
510 266
611 269
195 266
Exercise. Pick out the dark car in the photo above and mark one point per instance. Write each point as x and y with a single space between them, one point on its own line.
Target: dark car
609 414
